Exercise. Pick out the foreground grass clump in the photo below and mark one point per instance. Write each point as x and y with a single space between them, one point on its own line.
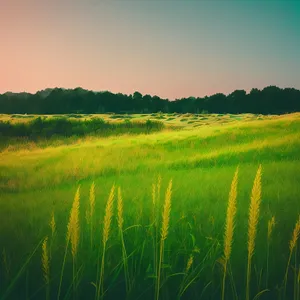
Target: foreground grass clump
108 253
141 245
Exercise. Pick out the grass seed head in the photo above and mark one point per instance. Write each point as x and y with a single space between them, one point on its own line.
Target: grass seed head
271 224
295 235
73 225
254 211
45 260
108 214
166 212
52 224
120 210
231 212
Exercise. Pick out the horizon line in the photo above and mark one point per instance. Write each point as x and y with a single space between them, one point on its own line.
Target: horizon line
153 95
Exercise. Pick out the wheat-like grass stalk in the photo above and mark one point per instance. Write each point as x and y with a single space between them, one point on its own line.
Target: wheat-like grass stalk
106 230
189 263
120 226
292 245
46 266
52 225
53 231
166 212
229 226
91 211
120 210
164 233
183 286
252 223
73 225
73 233
73 237
271 224
108 215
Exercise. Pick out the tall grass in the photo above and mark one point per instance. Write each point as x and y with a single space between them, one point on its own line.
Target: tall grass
229 227
190 276
64 127
129 160
52 225
53 232
164 234
73 237
73 234
292 245
46 266
105 236
120 226
252 224
271 224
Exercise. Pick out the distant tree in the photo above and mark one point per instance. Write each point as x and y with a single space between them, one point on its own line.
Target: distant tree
236 102
270 100
216 103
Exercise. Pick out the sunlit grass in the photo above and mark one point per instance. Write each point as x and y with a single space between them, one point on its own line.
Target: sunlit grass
37 187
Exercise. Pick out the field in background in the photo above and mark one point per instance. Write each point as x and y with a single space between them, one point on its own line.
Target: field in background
183 120
200 154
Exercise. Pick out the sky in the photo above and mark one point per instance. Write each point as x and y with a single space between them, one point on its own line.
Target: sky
169 48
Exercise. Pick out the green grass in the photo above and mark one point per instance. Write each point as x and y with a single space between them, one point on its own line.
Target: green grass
201 161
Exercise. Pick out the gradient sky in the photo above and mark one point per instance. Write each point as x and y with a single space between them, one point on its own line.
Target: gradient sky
167 48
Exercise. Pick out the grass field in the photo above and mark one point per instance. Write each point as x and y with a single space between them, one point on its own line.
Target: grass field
134 233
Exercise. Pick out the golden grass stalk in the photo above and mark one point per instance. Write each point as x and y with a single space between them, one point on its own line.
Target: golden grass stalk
229 226
166 212
271 224
73 225
292 246
46 266
183 286
164 233
252 223
106 230
120 210
187 278
52 225
120 226
91 211
158 187
53 232
189 263
155 205
73 233
73 237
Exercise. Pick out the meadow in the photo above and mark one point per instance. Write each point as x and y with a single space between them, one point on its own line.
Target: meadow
205 207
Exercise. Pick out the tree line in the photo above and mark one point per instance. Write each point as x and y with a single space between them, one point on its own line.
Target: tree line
270 100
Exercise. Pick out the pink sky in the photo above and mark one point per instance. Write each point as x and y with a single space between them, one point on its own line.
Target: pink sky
145 47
